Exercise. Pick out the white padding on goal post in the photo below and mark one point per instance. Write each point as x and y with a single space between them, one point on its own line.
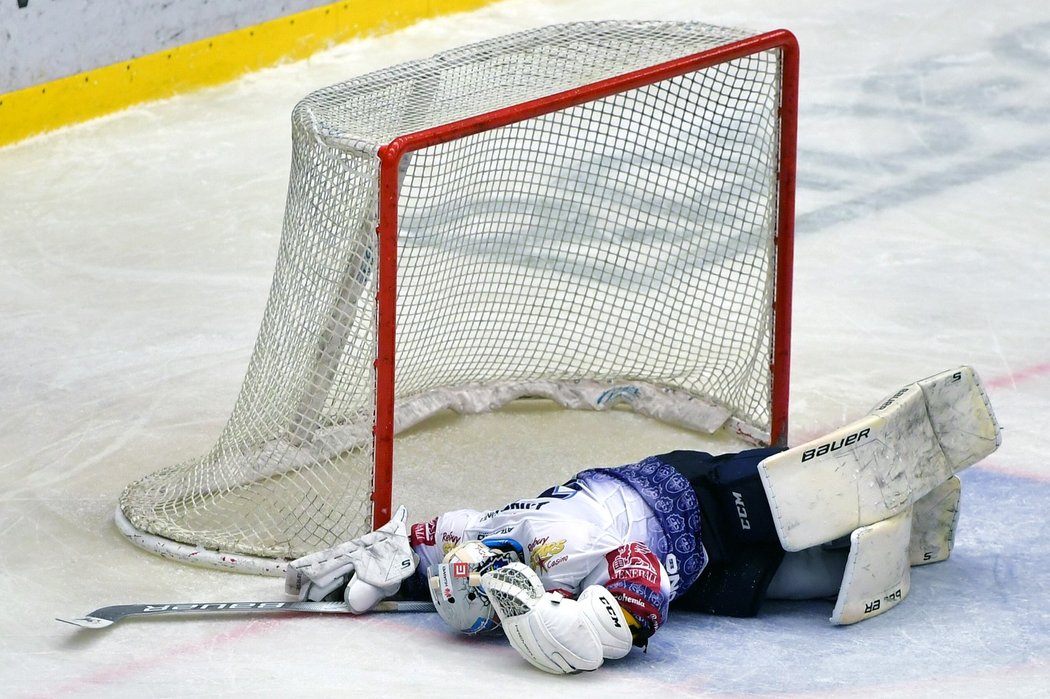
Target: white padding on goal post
877 576
876 467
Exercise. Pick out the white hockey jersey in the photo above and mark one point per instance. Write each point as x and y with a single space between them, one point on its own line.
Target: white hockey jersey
634 530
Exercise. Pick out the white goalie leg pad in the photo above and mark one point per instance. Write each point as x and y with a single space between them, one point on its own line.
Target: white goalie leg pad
961 416
555 634
934 518
879 465
878 575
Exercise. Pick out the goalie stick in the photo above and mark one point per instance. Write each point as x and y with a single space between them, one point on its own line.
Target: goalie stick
106 616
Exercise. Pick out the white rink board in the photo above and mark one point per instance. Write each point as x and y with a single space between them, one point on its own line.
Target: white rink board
137 252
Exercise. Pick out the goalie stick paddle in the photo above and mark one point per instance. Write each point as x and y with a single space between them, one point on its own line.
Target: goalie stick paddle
106 616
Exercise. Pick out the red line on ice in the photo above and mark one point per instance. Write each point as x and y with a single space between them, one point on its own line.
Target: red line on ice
120 672
248 629
1019 376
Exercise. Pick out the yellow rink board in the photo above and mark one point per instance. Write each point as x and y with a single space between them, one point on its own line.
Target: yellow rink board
40 108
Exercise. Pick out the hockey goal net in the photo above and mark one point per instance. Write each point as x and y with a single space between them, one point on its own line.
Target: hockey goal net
596 213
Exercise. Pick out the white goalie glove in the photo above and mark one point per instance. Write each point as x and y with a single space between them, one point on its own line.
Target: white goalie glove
554 633
365 570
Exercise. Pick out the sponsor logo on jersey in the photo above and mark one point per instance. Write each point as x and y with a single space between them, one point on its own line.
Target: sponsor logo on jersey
647 606
630 600
424 533
542 553
671 566
448 542
634 562
519 505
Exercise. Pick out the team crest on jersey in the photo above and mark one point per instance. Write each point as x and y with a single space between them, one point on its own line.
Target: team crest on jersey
543 552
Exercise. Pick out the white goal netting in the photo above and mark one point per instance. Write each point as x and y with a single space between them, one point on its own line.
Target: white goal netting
617 251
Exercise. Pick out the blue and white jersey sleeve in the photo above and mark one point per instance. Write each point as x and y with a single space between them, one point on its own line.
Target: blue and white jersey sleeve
591 530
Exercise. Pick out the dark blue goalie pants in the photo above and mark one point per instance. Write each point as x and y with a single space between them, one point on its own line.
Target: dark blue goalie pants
737 530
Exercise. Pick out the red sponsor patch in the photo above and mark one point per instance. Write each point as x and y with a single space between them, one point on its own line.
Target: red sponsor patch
460 569
424 533
635 581
635 563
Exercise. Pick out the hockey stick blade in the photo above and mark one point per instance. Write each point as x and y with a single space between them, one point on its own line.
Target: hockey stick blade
106 616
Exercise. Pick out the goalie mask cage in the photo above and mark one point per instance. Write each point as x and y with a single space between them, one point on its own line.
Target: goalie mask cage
596 213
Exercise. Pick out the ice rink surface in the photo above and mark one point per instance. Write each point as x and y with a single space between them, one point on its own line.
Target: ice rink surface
137 252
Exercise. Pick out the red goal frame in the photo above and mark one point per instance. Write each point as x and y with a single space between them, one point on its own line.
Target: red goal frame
390 156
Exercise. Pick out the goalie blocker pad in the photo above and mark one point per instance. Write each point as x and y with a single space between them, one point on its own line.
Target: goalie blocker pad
875 468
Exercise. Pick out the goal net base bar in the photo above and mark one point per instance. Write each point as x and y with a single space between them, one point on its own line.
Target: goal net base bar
197 555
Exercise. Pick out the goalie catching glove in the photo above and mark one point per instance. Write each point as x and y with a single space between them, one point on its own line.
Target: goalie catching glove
554 633
362 571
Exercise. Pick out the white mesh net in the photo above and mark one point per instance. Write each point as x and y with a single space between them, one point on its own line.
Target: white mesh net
622 250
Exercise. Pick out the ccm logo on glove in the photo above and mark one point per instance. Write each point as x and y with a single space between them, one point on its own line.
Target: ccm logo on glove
613 615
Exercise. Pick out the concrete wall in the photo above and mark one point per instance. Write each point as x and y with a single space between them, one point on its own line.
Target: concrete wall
43 40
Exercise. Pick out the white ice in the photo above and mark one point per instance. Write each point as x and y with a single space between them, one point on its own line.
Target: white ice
136 253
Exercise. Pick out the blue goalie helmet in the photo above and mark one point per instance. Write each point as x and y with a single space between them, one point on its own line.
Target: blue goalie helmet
456 590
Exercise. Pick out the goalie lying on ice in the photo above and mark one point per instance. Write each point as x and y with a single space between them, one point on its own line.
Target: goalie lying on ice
586 569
